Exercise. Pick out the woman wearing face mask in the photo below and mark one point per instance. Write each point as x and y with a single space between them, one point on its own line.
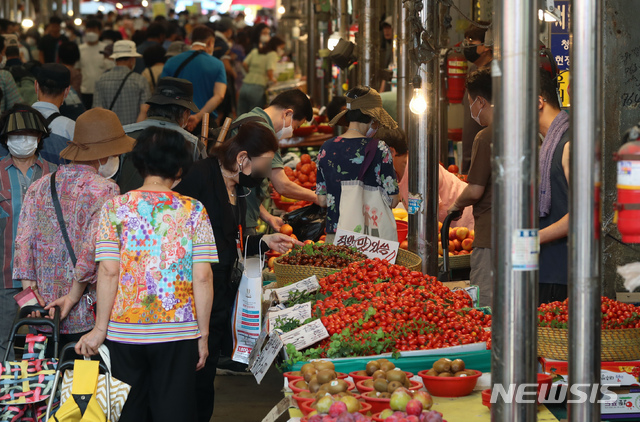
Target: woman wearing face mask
221 182
55 242
21 131
340 159
260 65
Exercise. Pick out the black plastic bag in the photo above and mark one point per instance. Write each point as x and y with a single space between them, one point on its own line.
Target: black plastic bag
308 222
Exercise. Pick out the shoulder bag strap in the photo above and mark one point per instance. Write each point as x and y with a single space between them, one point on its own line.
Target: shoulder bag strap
63 227
369 155
153 78
119 90
186 62
51 118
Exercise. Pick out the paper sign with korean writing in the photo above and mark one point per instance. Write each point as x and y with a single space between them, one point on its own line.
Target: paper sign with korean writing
372 247
266 356
300 312
307 285
306 335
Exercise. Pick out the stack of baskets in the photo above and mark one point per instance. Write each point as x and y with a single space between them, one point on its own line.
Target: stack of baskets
287 274
617 345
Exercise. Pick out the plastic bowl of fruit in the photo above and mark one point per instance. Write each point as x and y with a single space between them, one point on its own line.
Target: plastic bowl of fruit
306 408
297 390
377 418
415 385
378 404
300 400
359 376
451 386
304 131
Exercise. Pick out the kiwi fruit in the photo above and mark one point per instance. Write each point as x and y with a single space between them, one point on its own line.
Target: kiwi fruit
393 386
432 372
396 375
296 374
306 367
307 394
301 385
380 385
442 365
309 374
362 374
384 396
379 374
338 386
470 372
323 364
461 374
314 385
445 374
326 375
373 394
457 365
372 367
387 366
368 383
407 383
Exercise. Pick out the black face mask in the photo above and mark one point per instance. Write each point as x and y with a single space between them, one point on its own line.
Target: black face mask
471 53
249 181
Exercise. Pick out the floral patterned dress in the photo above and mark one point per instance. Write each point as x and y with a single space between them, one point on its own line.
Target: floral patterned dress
340 160
157 237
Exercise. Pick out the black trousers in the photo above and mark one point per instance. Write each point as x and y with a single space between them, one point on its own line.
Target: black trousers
548 292
162 378
219 333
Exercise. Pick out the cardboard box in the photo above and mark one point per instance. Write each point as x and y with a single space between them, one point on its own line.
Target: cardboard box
626 297
626 406
613 373
474 291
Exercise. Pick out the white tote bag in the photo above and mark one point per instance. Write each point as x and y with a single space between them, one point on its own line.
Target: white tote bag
363 209
247 309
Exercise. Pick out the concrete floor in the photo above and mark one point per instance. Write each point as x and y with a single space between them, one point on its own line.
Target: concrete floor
241 399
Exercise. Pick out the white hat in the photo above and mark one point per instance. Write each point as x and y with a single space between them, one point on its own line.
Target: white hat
124 49
388 21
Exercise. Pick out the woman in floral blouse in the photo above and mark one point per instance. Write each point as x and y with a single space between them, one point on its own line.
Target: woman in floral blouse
341 158
155 286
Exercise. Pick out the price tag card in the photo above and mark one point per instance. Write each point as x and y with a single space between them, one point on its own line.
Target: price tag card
264 334
306 335
279 409
266 356
300 312
525 250
307 285
372 247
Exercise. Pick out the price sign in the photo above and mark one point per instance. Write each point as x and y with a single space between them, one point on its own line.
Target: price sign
300 312
372 247
307 285
306 335
266 356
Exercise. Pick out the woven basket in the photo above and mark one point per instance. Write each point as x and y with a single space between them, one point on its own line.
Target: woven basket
617 345
288 274
457 261
409 260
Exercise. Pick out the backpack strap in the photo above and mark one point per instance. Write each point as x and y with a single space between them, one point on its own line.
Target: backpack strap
52 117
186 62
153 78
63 226
115 98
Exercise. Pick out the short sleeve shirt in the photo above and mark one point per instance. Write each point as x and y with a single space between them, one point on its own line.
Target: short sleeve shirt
480 174
156 237
259 65
340 159
203 72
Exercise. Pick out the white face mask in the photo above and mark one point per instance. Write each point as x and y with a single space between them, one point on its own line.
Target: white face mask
286 131
91 37
476 118
371 132
3 62
22 146
110 168
265 38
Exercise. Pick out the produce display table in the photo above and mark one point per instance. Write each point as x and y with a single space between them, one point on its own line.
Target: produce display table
458 409
313 140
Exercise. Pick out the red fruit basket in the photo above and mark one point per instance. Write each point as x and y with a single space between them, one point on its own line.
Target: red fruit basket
449 386
415 385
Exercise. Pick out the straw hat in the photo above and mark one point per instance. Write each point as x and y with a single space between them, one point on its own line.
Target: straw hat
369 104
98 134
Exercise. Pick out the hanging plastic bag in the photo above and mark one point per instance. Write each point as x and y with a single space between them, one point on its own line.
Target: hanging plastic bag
308 223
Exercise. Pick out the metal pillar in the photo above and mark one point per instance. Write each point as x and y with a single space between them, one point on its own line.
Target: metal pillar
584 251
342 12
76 8
312 50
369 45
405 69
424 148
515 211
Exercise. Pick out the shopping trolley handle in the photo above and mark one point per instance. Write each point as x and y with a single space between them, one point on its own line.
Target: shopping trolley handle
444 274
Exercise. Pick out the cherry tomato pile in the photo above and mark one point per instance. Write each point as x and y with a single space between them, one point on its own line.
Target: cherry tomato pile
414 311
615 315
323 255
